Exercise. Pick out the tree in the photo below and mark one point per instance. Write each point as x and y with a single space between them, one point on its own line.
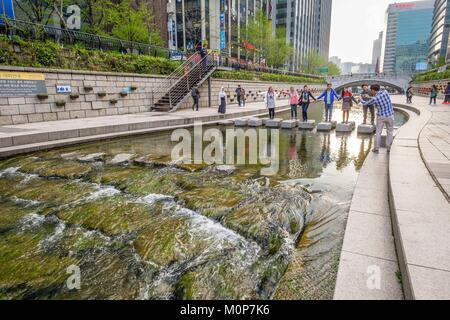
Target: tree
37 11
333 69
271 46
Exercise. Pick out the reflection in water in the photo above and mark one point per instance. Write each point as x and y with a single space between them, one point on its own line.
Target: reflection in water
159 230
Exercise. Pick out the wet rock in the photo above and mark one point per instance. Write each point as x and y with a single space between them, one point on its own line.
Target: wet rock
49 193
93 157
122 158
70 156
227 169
153 161
57 168
191 167
111 216
10 215
144 181
25 271
271 216
221 281
211 201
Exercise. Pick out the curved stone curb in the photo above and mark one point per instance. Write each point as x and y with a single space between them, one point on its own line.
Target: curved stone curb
420 216
368 250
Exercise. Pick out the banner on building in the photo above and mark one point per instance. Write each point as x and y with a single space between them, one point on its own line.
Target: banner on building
222 24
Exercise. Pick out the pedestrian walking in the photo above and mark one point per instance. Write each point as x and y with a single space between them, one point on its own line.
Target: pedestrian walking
409 94
195 97
347 104
447 94
305 101
222 101
366 96
433 94
271 100
243 97
239 93
329 96
385 116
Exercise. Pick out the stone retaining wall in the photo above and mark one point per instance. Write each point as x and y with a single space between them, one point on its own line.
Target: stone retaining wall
88 104
423 88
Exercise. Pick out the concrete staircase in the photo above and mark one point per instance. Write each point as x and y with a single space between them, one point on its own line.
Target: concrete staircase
177 87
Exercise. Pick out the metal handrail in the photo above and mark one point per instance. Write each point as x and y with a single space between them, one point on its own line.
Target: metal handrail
40 31
170 85
197 72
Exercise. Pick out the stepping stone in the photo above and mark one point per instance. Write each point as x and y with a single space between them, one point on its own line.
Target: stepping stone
366 129
241 122
226 169
122 158
93 157
344 127
325 126
275 123
70 156
309 125
255 122
289 124
226 123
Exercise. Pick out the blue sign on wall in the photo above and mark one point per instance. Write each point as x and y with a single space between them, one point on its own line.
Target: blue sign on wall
9 10
222 24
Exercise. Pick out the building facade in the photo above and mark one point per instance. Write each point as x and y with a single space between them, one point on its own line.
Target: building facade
407 35
376 51
221 23
439 31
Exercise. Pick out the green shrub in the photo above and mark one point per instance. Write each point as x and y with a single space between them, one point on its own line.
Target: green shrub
268 77
49 54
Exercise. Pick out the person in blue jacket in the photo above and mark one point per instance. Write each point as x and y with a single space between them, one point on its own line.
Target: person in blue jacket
329 96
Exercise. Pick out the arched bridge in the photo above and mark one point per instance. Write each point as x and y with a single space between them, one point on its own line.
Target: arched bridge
397 81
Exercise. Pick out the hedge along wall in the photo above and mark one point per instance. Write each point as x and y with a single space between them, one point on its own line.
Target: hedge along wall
99 94
423 88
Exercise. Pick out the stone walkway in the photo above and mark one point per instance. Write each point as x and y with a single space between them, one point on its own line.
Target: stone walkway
15 139
434 142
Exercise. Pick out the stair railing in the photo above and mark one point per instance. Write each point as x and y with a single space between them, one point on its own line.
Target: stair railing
182 87
164 84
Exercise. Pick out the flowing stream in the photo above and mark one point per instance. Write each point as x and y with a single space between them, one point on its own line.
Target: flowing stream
152 229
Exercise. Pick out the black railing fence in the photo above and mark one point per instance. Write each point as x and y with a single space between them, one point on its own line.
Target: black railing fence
33 31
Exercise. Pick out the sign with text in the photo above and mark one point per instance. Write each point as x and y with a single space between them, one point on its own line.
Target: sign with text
63 89
21 84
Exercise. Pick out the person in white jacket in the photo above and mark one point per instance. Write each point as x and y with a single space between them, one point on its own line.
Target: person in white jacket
222 101
270 99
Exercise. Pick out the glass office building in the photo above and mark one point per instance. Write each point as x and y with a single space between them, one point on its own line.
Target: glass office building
439 31
221 24
408 30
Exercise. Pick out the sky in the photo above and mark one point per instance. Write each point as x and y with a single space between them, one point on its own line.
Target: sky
355 24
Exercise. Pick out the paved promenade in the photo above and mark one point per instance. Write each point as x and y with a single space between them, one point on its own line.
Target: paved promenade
434 141
30 137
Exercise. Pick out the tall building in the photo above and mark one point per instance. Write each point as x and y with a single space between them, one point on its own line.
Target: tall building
308 24
221 24
408 29
376 52
439 31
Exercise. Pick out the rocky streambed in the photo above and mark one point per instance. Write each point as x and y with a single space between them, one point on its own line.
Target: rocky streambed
141 227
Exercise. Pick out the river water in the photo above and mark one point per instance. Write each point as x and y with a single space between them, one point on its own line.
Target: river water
154 229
